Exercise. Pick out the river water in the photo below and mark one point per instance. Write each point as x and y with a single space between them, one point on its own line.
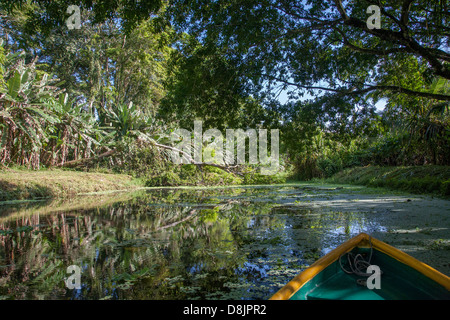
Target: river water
222 243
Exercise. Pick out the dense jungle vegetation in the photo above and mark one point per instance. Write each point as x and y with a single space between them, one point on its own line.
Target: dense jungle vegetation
105 97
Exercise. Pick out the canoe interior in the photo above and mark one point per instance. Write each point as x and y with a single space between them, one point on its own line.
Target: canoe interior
398 282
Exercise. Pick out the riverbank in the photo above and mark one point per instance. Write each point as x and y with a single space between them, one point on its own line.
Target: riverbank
432 180
24 184
20 184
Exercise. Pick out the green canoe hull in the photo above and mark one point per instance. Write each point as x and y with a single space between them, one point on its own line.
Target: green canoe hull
397 282
402 277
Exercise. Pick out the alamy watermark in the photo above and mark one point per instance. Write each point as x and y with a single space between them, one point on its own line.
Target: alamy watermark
74 21
223 153
374 280
74 280
374 21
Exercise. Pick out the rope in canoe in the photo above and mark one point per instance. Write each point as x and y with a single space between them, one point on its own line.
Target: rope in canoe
358 264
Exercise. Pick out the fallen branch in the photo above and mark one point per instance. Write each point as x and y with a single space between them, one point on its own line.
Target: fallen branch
78 162
189 216
193 212
4 167
192 161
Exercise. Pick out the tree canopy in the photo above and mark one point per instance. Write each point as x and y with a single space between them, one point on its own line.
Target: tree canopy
154 66
55 14
317 46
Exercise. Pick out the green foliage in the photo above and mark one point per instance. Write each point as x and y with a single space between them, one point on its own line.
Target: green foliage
22 118
98 64
125 119
129 79
279 45
129 12
445 188
252 176
42 126
325 46
392 139
209 215
154 167
204 83
417 179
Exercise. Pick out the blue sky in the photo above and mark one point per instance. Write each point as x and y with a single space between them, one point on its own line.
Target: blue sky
283 98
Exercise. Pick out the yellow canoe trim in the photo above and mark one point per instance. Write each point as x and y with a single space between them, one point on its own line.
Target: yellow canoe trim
361 240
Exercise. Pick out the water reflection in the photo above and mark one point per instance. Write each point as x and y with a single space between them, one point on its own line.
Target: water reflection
241 243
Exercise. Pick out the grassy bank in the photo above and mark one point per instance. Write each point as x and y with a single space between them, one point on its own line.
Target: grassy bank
420 179
17 184
24 184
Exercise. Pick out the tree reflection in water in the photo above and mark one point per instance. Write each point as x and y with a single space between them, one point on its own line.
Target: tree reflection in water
164 244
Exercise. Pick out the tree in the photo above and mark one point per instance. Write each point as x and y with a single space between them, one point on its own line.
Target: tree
99 63
204 83
327 52
326 45
38 124
55 14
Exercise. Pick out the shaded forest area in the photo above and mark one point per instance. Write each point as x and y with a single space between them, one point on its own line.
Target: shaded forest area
105 97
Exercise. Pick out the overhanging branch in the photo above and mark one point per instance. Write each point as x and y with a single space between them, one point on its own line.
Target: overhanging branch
192 161
369 88
402 38
75 163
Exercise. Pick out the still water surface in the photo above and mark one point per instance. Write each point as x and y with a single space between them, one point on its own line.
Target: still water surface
239 243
